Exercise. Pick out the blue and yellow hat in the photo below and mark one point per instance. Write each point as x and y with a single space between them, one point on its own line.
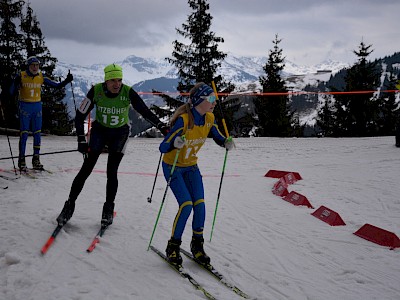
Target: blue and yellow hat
199 95
31 60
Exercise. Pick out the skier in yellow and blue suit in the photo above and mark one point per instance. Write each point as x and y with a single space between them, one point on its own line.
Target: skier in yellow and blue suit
191 124
29 84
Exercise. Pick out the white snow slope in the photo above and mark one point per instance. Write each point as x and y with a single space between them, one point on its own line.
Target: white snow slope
269 248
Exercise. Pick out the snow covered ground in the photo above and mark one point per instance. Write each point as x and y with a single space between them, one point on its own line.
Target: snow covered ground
268 247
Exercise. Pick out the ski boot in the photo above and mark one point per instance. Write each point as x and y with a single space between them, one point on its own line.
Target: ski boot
66 212
107 215
196 246
22 164
36 165
173 252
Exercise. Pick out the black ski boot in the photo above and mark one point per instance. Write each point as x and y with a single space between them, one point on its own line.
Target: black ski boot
66 212
173 252
22 164
36 165
196 246
107 215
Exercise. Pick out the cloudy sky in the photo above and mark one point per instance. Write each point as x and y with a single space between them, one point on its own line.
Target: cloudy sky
101 31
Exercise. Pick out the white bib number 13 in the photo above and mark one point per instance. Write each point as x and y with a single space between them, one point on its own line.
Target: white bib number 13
114 120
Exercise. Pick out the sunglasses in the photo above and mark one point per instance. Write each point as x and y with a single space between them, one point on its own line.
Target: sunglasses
211 99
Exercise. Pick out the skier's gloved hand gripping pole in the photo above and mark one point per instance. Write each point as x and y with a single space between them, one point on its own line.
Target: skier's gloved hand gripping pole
83 146
166 190
228 145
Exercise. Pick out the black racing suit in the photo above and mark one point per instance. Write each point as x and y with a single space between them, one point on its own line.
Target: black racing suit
100 136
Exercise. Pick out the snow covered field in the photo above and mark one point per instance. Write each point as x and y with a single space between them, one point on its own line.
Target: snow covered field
268 247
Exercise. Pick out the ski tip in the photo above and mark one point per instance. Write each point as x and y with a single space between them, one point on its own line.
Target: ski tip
47 245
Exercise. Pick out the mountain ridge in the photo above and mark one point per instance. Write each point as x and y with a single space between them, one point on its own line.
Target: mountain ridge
237 69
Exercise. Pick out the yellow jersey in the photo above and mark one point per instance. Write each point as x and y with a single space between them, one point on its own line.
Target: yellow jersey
31 87
195 139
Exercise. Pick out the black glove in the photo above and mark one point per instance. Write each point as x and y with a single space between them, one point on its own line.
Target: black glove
69 78
163 128
83 146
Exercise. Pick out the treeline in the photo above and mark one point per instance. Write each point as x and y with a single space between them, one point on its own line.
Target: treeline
275 112
362 114
20 38
197 57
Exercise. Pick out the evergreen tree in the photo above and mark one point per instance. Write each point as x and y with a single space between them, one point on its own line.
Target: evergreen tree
11 56
326 117
274 116
199 59
389 112
356 113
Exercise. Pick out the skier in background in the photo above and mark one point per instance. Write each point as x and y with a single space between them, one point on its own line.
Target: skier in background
111 100
191 124
29 83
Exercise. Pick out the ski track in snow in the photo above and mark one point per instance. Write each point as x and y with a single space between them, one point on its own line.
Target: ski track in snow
267 247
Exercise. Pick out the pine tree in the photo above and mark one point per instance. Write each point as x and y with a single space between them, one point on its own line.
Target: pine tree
199 59
389 112
356 113
326 117
274 116
11 56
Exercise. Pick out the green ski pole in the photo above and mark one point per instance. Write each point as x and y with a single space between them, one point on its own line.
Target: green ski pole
226 156
165 194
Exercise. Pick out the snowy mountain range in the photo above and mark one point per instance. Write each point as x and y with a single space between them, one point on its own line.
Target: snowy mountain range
147 74
138 71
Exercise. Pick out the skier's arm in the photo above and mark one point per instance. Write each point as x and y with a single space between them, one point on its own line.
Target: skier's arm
217 136
47 81
81 114
167 144
139 105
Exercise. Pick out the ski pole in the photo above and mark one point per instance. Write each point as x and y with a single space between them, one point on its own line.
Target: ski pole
72 90
165 194
73 97
226 156
47 153
8 138
155 179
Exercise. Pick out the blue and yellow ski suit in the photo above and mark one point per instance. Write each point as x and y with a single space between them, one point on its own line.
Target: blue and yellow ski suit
186 182
30 106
